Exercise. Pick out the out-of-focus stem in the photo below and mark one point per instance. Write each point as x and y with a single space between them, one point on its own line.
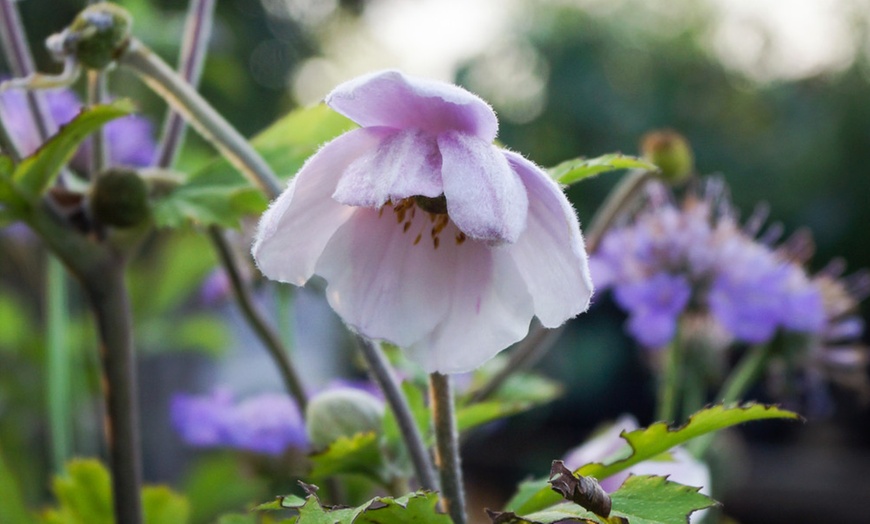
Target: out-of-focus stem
208 122
97 95
197 31
389 384
671 383
618 199
447 447
745 374
256 320
58 362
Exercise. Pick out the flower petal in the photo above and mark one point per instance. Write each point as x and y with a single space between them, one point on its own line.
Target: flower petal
550 253
405 164
389 98
294 230
485 197
489 309
385 279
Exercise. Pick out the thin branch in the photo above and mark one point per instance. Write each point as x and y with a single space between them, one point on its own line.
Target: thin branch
389 384
447 447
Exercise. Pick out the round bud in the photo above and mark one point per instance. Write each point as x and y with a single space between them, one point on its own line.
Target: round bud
96 37
671 153
342 413
120 198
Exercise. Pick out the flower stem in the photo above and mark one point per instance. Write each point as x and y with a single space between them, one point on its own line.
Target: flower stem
447 447
108 294
618 199
670 385
197 30
208 122
97 95
58 363
389 384
257 321
745 373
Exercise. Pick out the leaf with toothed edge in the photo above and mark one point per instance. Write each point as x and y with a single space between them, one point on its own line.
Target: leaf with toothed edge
419 507
647 443
578 169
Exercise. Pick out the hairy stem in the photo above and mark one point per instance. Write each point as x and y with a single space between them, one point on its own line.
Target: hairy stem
385 377
447 447
208 122
618 199
257 321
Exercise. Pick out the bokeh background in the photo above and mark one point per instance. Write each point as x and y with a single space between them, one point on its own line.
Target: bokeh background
772 94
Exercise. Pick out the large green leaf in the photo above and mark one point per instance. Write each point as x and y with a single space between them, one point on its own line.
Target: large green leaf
647 443
36 173
218 194
655 500
359 454
577 169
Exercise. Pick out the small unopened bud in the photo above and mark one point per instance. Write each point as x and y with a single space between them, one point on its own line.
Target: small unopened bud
342 413
671 153
96 37
120 198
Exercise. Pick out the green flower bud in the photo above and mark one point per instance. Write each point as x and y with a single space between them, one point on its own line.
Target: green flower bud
671 152
120 198
96 37
342 413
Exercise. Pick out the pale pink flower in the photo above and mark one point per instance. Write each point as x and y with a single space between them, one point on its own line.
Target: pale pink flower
428 235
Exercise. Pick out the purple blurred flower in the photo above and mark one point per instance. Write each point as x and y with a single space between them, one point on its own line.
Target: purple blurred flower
670 260
681 466
129 139
429 236
268 423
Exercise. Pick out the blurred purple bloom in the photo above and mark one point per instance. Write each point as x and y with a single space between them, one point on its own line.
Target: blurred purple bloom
607 446
129 139
428 235
268 423
672 259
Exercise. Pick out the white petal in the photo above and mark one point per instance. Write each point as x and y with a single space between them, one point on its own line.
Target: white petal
385 280
294 230
485 198
550 253
406 163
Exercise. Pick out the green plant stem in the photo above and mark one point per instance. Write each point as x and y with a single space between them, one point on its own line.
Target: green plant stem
257 321
745 373
617 201
208 122
58 363
385 377
97 95
197 30
447 447
671 383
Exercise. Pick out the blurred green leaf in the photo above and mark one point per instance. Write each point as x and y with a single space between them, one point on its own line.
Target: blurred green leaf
577 169
359 454
84 494
218 194
12 508
646 443
216 484
36 173
161 505
651 499
16 329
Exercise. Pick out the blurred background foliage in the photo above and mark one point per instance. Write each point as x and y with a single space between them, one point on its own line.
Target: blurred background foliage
568 78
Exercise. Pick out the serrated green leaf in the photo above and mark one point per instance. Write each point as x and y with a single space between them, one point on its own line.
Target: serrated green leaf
161 505
359 454
652 499
419 507
219 195
36 173
84 493
577 169
562 513
651 442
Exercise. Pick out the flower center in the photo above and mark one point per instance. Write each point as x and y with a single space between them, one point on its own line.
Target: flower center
435 209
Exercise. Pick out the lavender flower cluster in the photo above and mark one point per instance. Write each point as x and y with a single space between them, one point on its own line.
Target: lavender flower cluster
672 258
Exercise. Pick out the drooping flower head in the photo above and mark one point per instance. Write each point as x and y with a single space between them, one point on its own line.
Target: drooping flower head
668 260
428 235
268 423
130 139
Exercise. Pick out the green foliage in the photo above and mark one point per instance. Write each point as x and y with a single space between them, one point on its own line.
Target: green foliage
578 169
38 171
359 454
219 195
17 329
12 508
84 496
216 484
418 507
651 499
648 443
